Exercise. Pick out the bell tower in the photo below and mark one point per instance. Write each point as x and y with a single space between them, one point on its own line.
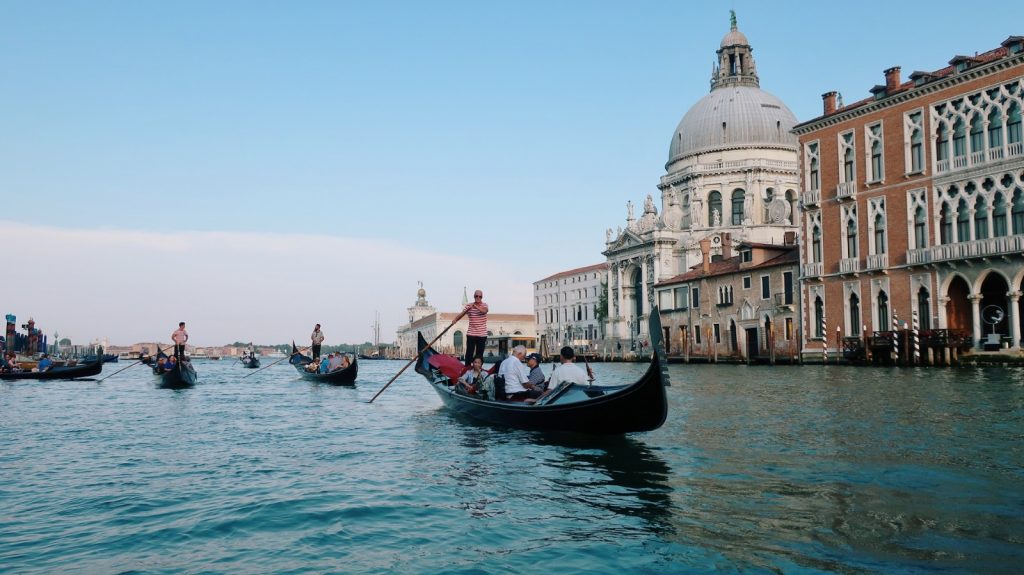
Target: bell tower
736 65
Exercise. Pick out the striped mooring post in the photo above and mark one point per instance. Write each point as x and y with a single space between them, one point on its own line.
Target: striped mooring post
896 338
914 341
824 341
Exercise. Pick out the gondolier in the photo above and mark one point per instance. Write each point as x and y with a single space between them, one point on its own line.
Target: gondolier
476 335
317 339
179 337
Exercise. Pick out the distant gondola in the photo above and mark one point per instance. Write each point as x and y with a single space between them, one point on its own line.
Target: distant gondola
181 376
250 361
609 409
107 358
64 372
346 376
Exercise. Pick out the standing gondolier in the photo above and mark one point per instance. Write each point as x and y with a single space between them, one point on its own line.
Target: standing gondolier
476 335
179 337
317 338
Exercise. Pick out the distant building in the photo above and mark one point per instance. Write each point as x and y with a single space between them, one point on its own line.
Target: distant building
732 167
565 307
913 204
742 306
425 319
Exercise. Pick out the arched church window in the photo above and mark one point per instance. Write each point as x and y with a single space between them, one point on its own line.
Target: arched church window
1013 133
977 134
959 139
738 197
879 234
714 208
946 225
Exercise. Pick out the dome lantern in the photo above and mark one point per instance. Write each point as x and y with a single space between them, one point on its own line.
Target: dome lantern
736 65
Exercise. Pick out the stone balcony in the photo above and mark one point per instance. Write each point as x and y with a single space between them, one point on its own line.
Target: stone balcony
849 265
811 198
846 191
979 158
813 270
878 261
966 250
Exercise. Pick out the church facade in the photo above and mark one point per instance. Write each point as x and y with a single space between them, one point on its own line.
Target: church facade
732 172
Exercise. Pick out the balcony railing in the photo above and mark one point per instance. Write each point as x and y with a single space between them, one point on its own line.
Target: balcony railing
980 157
878 261
966 250
813 270
811 198
849 265
846 190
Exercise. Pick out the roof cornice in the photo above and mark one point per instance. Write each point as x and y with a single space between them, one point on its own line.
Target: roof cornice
909 94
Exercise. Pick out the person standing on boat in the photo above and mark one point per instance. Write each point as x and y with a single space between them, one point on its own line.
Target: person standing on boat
318 339
476 335
179 337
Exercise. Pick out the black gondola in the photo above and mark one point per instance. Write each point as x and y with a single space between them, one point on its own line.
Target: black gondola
346 376
181 376
614 409
250 361
64 372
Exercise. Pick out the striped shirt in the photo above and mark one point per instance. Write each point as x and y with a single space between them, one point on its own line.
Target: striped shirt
477 322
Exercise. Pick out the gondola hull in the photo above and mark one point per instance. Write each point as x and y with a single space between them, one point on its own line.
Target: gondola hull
181 377
640 406
251 363
73 372
345 376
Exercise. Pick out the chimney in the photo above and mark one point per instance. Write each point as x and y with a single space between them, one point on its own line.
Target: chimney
705 250
829 101
790 238
726 245
892 79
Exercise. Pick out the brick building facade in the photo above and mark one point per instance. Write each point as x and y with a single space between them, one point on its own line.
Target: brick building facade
913 206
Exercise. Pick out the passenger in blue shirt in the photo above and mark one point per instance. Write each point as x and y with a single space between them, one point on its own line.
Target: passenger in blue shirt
45 363
324 363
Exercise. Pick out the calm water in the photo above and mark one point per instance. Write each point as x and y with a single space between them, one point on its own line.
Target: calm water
757 470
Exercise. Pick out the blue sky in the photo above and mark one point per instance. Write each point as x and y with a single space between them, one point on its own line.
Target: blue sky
501 138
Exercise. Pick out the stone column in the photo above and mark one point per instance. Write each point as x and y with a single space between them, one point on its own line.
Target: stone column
646 305
976 318
1014 318
618 300
942 322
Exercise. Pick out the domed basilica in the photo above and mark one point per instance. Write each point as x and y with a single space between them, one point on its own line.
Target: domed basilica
731 176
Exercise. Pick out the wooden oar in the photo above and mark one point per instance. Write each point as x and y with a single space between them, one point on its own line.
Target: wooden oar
276 362
590 372
413 360
159 351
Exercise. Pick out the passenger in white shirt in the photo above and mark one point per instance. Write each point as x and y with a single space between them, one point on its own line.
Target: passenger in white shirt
515 374
568 372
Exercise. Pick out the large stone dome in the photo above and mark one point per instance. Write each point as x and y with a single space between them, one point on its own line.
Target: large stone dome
733 117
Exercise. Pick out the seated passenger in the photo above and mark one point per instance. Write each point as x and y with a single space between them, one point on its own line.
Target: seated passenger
474 377
567 373
334 361
345 361
537 379
171 363
516 375
45 363
324 362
